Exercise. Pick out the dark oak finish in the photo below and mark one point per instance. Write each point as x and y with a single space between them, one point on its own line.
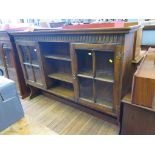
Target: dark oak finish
88 52
9 62
31 63
135 119
137 108
92 67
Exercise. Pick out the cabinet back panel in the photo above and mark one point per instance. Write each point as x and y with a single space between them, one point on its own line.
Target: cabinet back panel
54 48
55 66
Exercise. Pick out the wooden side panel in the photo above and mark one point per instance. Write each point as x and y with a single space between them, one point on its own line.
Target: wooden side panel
137 120
143 92
137 44
119 56
127 67
24 90
74 72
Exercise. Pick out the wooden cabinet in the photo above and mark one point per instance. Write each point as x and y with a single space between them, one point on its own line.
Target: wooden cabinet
91 67
57 64
31 63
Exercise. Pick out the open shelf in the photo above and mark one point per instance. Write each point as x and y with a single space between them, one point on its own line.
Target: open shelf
59 57
59 70
56 50
62 89
61 76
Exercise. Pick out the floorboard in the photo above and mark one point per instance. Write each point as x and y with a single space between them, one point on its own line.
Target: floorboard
66 120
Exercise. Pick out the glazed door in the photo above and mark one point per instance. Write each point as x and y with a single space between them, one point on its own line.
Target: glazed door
2 60
96 72
8 61
30 59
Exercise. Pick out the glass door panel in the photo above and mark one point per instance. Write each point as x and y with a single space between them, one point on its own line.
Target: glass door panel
25 54
85 62
104 93
105 65
86 88
29 72
34 55
37 75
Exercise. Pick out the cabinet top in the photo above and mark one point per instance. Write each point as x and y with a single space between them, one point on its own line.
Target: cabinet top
79 31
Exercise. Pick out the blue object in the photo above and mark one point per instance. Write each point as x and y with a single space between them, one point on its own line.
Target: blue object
1 72
148 37
10 106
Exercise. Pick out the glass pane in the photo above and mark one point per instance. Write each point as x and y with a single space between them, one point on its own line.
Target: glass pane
84 59
29 72
86 88
8 60
105 65
34 56
1 60
25 54
104 93
37 74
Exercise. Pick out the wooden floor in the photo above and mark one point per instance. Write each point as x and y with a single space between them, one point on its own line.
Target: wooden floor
64 119
27 126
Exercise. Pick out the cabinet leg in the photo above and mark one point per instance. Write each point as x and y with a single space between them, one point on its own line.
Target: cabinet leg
34 92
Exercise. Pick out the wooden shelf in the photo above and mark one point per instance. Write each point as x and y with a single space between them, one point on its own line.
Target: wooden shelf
62 76
59 57
62 91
